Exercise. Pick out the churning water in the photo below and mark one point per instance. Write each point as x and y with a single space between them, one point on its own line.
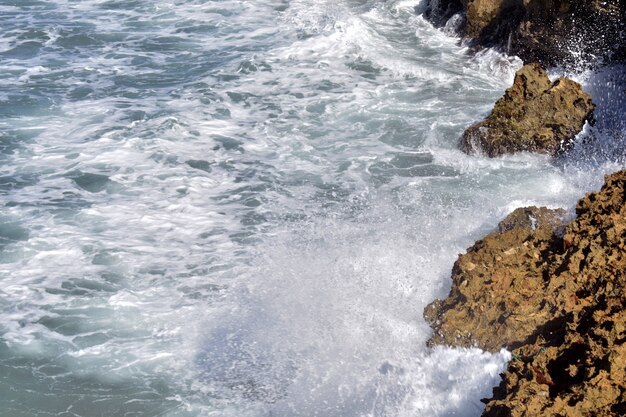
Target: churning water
241 208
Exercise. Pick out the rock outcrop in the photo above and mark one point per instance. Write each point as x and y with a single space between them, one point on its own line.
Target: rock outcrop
495 300
552 32
555 293
535 115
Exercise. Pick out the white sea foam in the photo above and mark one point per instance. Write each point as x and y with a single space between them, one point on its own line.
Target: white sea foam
243 208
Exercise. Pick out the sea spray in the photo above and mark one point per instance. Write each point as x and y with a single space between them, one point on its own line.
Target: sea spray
226 208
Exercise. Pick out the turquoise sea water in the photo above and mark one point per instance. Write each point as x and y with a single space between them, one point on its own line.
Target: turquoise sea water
241 208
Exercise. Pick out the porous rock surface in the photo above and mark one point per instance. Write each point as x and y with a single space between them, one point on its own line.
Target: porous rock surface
555 293
534 115
495 300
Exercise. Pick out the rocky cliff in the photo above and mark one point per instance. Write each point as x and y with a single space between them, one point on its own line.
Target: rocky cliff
555 293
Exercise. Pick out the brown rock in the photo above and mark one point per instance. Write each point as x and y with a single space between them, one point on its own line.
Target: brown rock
495 299
566 293
483 14
552 32
535 115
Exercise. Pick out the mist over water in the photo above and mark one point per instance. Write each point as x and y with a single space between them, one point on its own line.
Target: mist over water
226 208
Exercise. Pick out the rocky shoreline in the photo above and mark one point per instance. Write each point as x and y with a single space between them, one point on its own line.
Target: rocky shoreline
567 33
555 293
551 289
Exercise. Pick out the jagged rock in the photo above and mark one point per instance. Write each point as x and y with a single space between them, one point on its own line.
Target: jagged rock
559 294
496 298
535 115
582 372
552 32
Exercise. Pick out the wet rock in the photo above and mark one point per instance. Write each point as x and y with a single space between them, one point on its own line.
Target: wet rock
496 298
485 20
554 32
584 372
557 295
440 11
535 115
565 32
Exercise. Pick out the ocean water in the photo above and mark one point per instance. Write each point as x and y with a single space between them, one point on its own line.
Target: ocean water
231 208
